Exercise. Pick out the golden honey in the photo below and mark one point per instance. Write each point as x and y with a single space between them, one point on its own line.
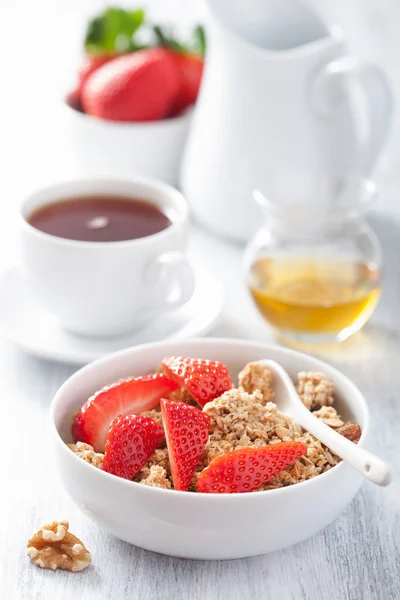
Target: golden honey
314 296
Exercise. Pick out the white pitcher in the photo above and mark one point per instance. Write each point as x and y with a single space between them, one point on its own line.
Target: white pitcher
276 111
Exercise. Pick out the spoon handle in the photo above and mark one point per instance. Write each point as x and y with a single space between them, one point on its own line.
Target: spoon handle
369 465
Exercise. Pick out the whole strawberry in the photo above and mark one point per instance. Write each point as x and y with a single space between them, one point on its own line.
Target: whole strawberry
186 432
247 469
142 86
190 67
204 379
131 440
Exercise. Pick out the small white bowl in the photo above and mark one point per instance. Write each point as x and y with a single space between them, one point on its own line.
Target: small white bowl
111 148
203 526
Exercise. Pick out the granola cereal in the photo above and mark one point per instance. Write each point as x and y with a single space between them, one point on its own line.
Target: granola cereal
54 547
256 376
247 417
159 458
328 415
88 454
153 414
157 477
239 419
314 390
182 395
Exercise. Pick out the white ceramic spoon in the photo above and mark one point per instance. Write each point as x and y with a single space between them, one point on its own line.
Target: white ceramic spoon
289 403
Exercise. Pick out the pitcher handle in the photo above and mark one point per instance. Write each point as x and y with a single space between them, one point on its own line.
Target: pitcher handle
330 87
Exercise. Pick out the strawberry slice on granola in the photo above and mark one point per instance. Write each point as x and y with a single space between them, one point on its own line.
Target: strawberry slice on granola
204 379
131 440
128 397
247 469
186 431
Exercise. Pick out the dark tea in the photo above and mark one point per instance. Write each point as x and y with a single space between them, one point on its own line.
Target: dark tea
100 218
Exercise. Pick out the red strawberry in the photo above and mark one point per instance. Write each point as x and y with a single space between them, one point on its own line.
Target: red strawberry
136 87
190 68
131 441
186 431
247 469
91 62
204 379
128 397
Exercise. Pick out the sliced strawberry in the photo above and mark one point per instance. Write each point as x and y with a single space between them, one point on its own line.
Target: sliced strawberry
247 469
204 379
186 431
128 397
131 440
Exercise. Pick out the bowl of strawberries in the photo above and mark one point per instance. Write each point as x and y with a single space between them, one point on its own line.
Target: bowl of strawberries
180 447
131 106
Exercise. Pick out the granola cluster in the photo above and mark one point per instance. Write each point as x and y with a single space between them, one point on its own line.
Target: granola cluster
247 417
256 377
314 390
87 453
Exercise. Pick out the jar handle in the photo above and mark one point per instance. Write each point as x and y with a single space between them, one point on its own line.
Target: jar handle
330 87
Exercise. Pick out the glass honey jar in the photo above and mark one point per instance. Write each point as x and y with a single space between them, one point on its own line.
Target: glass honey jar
313 270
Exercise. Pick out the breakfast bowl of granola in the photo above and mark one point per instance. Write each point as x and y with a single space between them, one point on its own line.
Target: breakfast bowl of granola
180 447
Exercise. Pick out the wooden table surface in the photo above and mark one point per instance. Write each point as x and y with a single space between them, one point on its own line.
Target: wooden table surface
358 556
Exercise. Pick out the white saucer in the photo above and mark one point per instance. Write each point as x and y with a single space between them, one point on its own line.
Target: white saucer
26 324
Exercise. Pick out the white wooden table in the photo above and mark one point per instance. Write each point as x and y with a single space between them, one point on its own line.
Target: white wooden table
357 557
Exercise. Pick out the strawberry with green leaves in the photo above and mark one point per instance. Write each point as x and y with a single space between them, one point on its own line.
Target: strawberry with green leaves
134 71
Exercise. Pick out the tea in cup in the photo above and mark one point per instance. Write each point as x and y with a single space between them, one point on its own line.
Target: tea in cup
104 256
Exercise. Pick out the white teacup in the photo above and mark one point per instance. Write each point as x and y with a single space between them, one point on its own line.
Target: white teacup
108 288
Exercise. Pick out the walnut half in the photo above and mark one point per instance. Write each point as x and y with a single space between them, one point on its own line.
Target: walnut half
54 547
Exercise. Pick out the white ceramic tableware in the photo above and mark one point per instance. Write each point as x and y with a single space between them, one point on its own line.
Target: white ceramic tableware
108 288
25 323
275 111
203 526
289 403
110 148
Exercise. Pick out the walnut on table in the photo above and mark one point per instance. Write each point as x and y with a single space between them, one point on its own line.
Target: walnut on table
256 376
54 547
314 390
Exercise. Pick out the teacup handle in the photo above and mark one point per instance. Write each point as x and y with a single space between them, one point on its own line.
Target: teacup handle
170 281
331 85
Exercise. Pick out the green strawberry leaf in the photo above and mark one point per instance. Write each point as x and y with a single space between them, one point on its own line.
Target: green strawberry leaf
113 31
199 41
166 38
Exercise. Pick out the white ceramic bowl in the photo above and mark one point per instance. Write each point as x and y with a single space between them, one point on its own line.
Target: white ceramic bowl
110 148
203 526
